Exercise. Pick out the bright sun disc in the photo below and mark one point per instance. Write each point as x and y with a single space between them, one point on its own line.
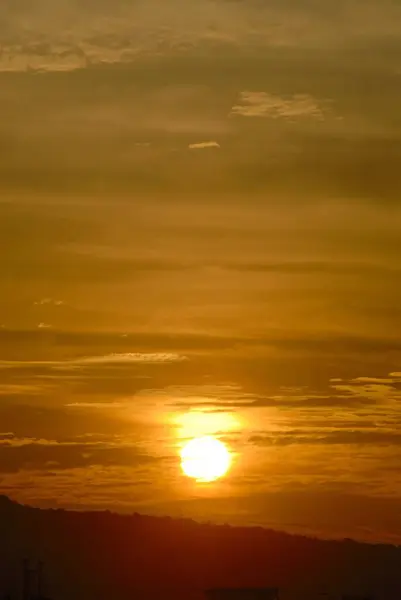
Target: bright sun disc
205 459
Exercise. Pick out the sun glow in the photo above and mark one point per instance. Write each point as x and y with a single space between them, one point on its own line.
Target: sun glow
205 459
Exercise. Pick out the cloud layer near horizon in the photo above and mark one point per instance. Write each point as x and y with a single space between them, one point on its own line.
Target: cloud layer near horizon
113 430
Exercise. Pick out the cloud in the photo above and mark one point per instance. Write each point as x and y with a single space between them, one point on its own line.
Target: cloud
228 397
96 405
201 145
48 301
25 454
53 420
126 358
240 399
184 344
373 390
62 34
20 389
374 437
263 104
133 357
11 440
206 398
83 144
315 266
368 380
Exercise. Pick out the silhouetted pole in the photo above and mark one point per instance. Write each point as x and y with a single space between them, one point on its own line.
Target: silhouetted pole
26 580
40 578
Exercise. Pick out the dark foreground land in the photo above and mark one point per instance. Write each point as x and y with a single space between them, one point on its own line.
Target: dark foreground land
102 555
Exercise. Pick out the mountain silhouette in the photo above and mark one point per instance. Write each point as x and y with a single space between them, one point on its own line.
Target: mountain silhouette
90 555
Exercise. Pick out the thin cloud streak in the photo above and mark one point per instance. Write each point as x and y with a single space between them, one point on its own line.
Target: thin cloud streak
109 359
203 145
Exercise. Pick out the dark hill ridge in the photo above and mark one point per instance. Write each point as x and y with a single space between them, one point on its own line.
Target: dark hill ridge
106 555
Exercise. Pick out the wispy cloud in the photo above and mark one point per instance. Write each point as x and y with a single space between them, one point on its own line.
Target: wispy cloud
63 36
41 454
133 357
386 389
375 436
48 302
374 380
19 389
108 359
263 104
202 145
96 405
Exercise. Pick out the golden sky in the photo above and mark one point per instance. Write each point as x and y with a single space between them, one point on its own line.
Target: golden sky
200 235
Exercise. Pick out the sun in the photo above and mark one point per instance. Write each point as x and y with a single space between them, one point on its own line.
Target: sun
205 459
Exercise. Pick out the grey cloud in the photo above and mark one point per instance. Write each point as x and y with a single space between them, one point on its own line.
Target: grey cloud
313 401
189 343
58 422
95 405
373 391
18 389
101 376
259 364
367 169
285 402
302 267
93 267
309 267
231 397
92 144
67 35
375 437
41 456
354 420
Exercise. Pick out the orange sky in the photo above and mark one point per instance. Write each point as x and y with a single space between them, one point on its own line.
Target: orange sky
200 235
